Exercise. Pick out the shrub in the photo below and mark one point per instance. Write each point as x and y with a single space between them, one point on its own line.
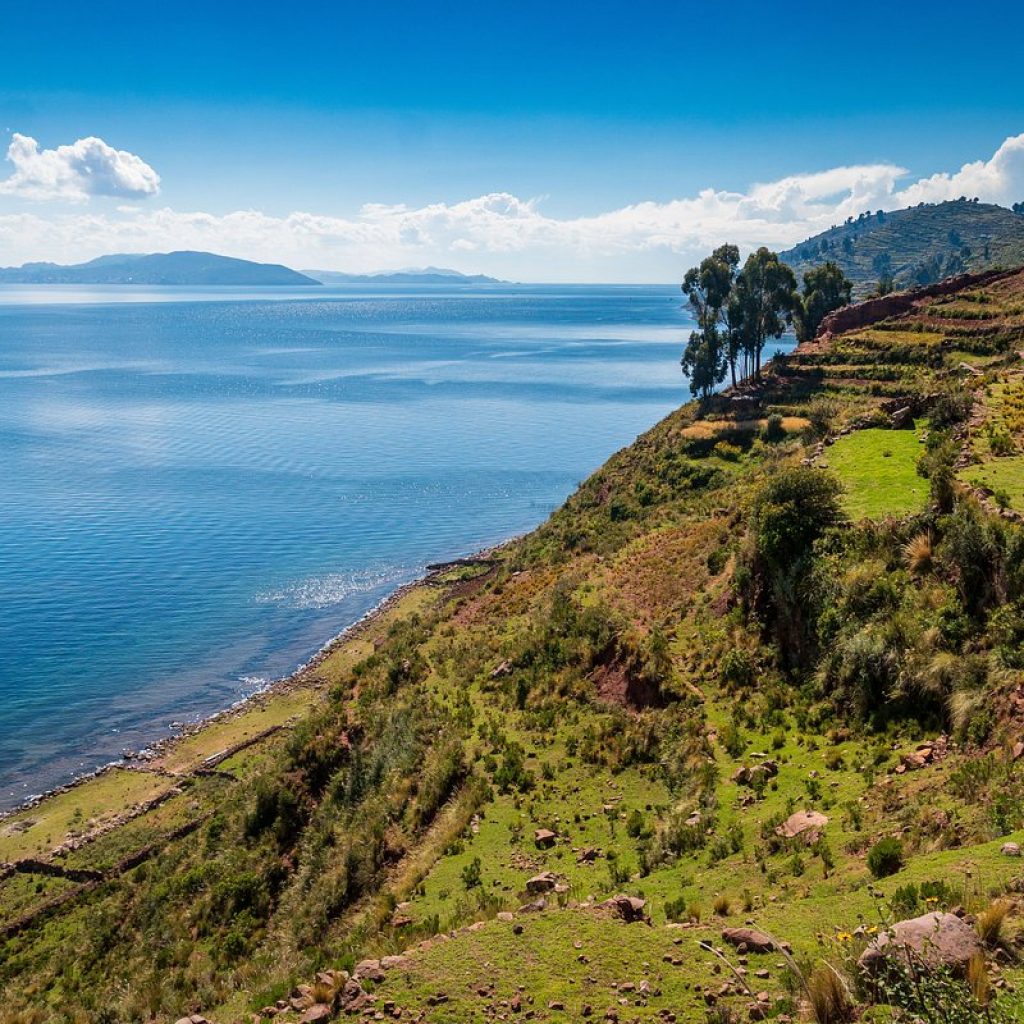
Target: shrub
885 857
722 905
774 431
471 874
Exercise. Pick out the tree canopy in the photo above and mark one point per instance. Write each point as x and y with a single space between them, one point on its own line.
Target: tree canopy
826 288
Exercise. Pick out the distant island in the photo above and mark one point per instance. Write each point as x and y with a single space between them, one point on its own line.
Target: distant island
167 268
917 246
424 275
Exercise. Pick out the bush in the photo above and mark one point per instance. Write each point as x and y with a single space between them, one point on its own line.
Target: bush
885 857
471 874
774 431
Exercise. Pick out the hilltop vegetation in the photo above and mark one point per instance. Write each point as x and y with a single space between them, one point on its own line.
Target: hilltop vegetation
914 247
681 754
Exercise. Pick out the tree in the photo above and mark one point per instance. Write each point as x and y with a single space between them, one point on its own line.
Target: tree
761 306
707 288
704 363
825 288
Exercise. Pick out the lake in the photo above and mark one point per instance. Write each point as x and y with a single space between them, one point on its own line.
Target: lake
200 487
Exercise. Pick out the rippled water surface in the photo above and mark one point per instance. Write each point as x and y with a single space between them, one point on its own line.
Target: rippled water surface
198 489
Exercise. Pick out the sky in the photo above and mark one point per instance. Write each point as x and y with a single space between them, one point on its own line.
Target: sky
605 141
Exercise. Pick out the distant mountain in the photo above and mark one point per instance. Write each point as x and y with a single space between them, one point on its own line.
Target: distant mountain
415 275
918 245
180 268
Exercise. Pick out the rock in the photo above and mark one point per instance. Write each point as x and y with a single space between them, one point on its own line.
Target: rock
544 838
544 882
1018 750
588 855
755 941
902 419
352 996
368 970
504 669
629 908
804 823
395 963
935 939
1010 849
318 1011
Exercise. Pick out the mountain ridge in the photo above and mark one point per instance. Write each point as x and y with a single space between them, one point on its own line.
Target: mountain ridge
180 267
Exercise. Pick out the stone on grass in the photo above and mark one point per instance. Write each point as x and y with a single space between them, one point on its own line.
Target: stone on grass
751 939
544 838
934 940
807 824
629 908
544 882
317 1012
1010 849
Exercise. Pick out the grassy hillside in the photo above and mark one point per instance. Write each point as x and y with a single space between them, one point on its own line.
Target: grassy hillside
758 671
917 245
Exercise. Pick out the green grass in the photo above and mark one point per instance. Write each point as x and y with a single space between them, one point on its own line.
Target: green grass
1003 476
878 470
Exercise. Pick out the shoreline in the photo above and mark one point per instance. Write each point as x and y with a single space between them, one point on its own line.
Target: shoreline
299 676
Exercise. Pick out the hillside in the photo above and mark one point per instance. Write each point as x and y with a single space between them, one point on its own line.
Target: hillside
917 245
170 268
685 753
426 275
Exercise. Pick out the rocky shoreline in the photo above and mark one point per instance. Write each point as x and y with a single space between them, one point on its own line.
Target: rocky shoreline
300 676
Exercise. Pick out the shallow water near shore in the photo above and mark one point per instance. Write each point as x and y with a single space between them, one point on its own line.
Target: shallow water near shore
199 488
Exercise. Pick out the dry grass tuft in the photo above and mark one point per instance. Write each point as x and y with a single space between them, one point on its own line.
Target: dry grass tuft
977 979
829 996
722 906
989 923
919 555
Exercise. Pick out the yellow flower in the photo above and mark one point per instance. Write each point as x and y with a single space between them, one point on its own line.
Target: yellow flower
844 937
872 929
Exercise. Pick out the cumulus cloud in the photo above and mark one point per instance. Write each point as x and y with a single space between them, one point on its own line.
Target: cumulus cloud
999 180
88 167
509 236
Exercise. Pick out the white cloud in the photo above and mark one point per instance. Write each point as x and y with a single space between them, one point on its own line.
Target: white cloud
999 180
509 236
88 167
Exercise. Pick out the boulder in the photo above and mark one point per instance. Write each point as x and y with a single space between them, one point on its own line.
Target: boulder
317 1012
544 882
751 939
629 908
544 838
368 970
396 962
936 940
1010 849
902 419
804 823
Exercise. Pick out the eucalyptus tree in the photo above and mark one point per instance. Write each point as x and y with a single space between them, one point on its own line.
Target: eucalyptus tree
707 288
761 306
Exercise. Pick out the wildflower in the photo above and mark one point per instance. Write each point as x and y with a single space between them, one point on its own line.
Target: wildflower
844 937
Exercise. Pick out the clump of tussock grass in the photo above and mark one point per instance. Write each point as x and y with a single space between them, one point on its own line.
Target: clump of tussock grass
828 996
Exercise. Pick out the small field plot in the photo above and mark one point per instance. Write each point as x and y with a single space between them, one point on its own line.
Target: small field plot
878 470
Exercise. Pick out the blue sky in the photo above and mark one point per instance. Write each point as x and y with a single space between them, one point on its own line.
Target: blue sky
378 135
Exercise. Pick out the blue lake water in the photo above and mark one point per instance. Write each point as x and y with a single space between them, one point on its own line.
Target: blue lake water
197 489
